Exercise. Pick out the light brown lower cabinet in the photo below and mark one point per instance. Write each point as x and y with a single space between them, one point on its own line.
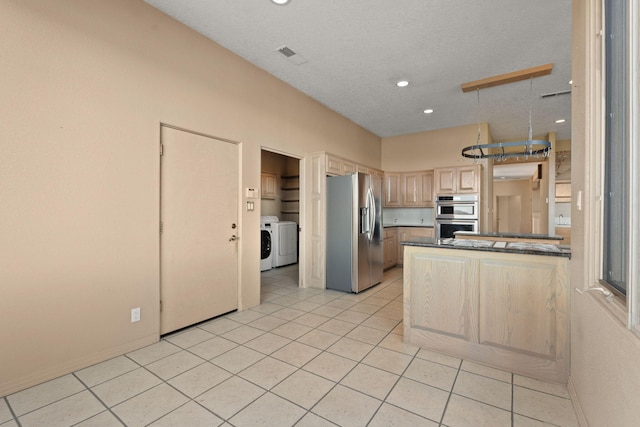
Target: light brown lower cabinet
510 311
409 233
390 247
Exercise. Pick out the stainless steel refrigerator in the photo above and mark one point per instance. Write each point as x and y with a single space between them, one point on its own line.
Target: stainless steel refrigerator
354 232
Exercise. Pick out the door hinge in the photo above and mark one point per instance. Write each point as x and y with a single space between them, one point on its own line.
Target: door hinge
160 227
161 149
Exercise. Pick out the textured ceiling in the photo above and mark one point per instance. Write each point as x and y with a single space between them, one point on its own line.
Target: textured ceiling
355 51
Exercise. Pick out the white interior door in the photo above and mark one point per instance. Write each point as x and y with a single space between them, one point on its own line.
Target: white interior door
199 213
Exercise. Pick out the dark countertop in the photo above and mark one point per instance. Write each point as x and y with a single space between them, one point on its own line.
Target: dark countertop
491 246
407 225
510 235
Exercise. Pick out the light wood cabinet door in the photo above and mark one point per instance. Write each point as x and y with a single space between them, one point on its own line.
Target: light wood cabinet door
409 233
348 168
412 185
427 194
392 189
390 248
468 179
445 180
268 187
334 166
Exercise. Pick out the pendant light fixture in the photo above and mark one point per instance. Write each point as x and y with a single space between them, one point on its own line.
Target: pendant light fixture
529 148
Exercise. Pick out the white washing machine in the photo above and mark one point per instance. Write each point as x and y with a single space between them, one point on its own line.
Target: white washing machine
266 242
285 243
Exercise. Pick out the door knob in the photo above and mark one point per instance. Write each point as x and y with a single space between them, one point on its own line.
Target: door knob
233 237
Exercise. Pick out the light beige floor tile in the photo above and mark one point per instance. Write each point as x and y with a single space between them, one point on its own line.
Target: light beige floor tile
5 413
312 420
483 389
347 407
371 381
12 423
544 407
153 352
463 412
366 334
319 339
390 313
419 398
38 396
363 307
291 330
443 359
267 308
175 364
396 343
327 310
288 313
246 316
227 398
305 306
303 388
220 325
237 359
125 386
65 412
103 419
323 298
296 354
267 343
381 323
311 319
430 373
105 371
546 387
486 371
392 416
268 410
212 348
377 300
522 421
190 337
190 414
330 366
398 329
351 349
267 372
149 406
341 303
242 334
199 379
284 301
352 316
338 327
387 360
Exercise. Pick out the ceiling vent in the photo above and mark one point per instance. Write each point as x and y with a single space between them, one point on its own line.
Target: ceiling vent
562 92
291 55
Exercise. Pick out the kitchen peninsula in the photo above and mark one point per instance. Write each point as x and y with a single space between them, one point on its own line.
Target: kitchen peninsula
504 304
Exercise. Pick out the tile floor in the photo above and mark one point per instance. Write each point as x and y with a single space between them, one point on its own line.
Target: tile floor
304 357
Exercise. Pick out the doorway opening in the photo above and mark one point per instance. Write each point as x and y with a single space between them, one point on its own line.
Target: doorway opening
280 194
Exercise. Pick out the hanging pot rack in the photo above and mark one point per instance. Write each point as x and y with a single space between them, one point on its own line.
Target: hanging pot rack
531 148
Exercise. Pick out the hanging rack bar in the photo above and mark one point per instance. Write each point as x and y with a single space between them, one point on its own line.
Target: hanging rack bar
515 76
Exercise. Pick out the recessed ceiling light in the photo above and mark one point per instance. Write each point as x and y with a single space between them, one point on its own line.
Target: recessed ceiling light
428 111
280 2
402 83
560 121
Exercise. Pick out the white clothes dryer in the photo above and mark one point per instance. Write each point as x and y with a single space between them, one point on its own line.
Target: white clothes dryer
266 242
285 243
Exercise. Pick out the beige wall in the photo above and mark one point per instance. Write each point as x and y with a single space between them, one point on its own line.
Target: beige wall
605 373
520 188
85 85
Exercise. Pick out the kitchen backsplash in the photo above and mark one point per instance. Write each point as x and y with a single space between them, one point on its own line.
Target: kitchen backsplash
563 214
408 216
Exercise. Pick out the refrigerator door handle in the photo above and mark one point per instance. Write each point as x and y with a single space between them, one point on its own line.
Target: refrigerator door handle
364 220
373 213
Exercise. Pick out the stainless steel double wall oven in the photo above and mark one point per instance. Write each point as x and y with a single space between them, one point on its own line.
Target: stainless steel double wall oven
457 213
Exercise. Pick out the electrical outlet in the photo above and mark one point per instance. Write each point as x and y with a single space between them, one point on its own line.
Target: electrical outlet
135 314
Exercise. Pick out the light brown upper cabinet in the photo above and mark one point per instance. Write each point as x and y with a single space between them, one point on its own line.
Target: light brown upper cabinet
338 166
457 179
268 185
418 189
392 189
563 191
